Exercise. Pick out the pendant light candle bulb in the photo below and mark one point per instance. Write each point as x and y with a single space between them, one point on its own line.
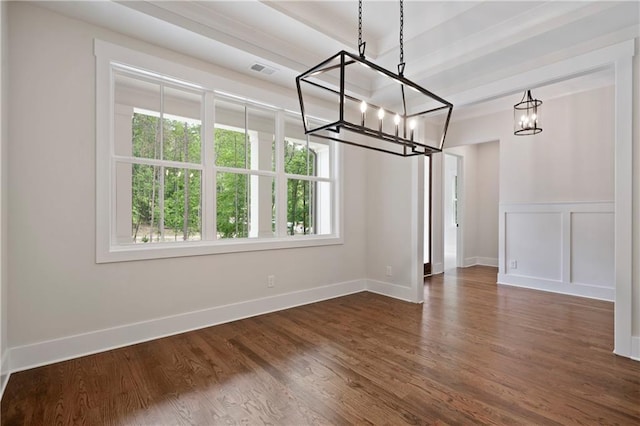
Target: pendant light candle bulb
380 116
412 126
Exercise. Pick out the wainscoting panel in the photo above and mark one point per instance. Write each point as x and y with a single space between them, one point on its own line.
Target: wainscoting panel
558 247
534 244
592 249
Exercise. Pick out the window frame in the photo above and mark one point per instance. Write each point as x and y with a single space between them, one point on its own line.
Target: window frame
213 86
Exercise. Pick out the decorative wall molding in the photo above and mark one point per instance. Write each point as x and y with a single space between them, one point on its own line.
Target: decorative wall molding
572 252
48 352
552 286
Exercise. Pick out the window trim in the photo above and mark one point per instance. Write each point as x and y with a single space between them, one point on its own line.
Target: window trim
108 54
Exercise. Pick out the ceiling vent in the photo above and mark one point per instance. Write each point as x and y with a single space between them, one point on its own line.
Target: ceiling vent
262 69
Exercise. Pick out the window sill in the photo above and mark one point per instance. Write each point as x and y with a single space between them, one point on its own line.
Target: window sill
200 248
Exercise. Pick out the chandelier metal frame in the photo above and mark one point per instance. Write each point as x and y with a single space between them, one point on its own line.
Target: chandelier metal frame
400 139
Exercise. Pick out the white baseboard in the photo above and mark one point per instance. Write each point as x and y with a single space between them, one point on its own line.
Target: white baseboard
391 290
482 261
487 261
51 351
572 289
469 261
4 372
437 268
635 348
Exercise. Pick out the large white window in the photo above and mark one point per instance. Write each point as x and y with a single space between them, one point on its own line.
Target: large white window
183 169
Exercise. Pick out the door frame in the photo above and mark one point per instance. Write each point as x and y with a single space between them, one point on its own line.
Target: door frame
428 267
459 205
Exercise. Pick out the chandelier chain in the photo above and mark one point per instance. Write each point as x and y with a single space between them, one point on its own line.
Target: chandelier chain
359 23
401 32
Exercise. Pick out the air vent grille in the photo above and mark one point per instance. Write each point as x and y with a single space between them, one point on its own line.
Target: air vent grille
262 69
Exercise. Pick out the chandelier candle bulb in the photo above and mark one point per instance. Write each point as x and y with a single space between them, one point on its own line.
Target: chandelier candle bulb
396 120
412 126
380 117
363 110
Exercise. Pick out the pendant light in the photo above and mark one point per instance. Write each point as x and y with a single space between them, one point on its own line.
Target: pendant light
392 118
526 116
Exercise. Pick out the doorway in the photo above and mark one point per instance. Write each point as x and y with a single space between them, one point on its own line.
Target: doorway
451 210
427 216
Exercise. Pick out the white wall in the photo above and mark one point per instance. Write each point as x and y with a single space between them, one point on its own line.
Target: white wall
487 193
389 195
56 288
636 204
571 160
478 200
4 140
569 170
450 228
437 222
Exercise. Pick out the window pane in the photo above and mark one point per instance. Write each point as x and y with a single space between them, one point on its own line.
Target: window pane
181 125
324 209
295 147
231 143
262 129
295 157
262 207
136 120
231 149
293 128
146 135
319 154
319 157
245 206
307 156
145 204
232 205
182 206
300 207
308 207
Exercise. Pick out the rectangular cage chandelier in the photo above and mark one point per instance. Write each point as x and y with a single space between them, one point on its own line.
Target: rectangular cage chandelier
400 117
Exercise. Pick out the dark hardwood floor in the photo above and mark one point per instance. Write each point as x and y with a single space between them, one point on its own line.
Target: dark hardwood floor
474 353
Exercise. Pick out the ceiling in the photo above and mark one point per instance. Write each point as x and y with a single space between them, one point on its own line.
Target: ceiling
450 46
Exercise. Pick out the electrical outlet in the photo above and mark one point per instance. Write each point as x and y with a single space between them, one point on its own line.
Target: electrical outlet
514 264
271 281
389 271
